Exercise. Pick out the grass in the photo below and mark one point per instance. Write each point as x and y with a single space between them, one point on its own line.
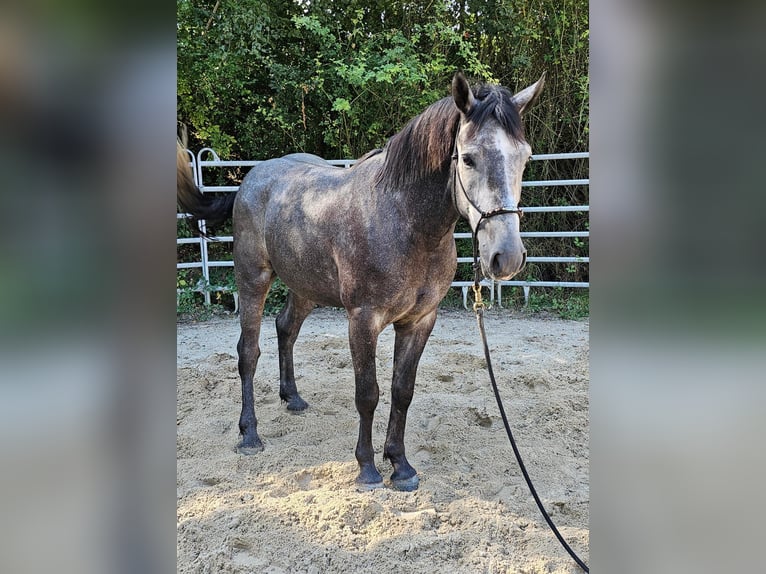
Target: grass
190 307
566 303
572 304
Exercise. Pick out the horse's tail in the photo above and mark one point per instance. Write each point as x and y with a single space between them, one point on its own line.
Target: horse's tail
214 210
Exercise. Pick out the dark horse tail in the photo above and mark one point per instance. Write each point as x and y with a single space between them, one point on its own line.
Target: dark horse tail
215 210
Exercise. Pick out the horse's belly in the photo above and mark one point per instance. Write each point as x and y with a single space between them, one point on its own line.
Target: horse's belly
319 292
309 274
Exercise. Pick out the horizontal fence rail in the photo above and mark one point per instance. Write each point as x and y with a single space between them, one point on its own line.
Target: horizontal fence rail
204 263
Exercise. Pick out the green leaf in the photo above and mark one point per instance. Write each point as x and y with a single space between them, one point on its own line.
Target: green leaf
341 105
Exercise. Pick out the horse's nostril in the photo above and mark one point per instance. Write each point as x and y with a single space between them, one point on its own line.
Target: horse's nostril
496 265
523 260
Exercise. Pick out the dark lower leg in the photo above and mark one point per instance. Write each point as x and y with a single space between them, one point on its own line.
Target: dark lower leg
248 424
363 338
251 306
408 348
289 324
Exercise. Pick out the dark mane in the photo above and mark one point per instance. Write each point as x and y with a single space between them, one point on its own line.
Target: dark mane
424 146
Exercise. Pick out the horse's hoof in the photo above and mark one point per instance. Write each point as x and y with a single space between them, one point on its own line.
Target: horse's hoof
248 449
297 404
367 486
368 479
406 484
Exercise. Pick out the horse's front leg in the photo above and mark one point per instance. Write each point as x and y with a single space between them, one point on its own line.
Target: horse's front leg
363 331
410 341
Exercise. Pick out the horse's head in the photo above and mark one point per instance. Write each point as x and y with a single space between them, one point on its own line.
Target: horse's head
489 158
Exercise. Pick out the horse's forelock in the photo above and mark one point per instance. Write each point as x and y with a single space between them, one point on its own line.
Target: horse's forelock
497 102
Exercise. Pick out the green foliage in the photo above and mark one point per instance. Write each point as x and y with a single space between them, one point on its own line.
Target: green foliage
190 300
453 299
185 298
567 304
276 298
259 79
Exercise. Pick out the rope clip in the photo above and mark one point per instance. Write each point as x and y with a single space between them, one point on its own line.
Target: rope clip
478 303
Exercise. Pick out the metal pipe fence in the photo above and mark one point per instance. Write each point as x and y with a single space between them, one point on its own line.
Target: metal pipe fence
205 264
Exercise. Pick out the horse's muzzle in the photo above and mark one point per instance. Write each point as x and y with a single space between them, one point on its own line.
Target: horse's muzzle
505 264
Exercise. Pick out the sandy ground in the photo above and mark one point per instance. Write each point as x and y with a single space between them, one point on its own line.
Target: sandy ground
293 507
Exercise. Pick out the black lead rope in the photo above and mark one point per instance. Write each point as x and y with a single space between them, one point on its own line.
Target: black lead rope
478 308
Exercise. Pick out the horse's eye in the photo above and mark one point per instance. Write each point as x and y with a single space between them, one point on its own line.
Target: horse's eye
468 161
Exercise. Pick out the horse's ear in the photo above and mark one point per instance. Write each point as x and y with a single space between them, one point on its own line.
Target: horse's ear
526 97
462 93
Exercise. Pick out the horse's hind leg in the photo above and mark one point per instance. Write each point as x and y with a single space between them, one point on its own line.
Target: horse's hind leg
409 343
289 324
252 296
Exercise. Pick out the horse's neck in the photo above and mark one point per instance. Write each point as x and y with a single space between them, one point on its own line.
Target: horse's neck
429 206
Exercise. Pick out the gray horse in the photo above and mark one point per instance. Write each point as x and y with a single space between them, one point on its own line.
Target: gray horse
375 239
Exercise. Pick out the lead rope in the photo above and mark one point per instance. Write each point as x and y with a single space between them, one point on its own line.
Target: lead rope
478 308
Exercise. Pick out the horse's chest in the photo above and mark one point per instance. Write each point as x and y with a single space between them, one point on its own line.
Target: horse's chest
430 272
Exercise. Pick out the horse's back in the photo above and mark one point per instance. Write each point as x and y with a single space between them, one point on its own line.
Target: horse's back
287 170
307 158
303 177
